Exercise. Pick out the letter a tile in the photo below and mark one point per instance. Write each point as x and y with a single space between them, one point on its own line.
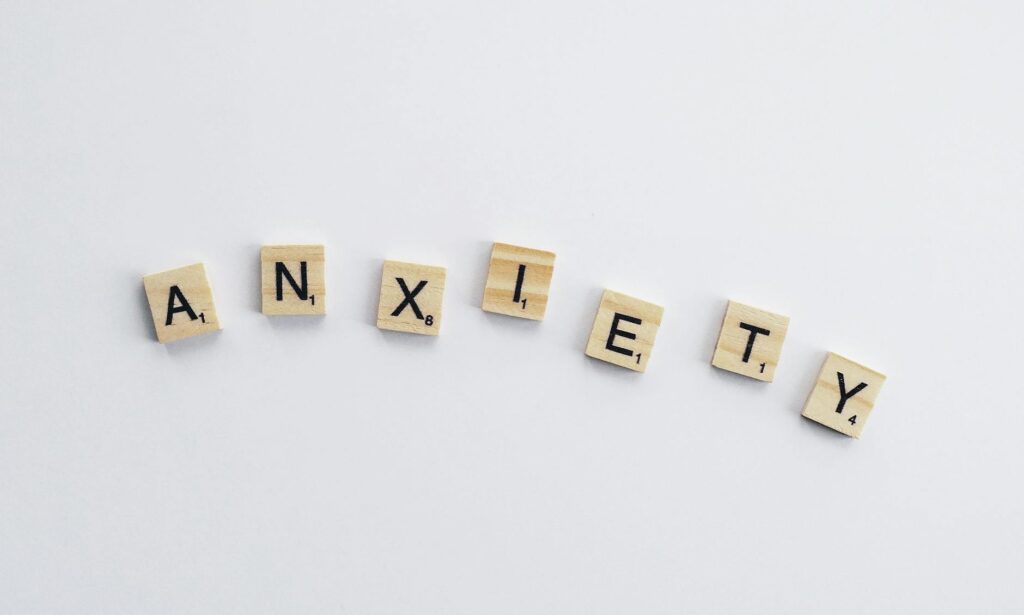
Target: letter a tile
293 280
750 341
843 395
410 298
624 331
181 302
518 281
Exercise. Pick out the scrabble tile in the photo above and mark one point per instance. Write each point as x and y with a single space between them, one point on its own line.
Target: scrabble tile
410 298
181 302
843 395
293 280
750 341
518 281
624 331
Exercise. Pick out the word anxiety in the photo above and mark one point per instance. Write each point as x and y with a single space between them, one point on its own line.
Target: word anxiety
518 283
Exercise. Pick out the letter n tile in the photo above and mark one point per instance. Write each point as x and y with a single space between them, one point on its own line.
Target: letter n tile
293 280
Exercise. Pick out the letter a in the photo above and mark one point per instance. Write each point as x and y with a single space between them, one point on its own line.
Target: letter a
175 294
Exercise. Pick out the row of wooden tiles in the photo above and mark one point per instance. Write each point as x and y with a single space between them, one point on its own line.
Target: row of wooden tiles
518 282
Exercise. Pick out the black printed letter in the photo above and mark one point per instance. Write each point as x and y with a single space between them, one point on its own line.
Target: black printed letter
518 296
410 298
754 331
843 395
175 294
616 331
302 290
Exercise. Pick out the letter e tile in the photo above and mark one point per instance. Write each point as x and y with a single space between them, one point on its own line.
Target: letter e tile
624 331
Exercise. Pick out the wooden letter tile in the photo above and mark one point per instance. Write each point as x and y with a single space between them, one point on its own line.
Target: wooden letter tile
518 281
181 302
410 298
624 331
750 342
843 395
293 280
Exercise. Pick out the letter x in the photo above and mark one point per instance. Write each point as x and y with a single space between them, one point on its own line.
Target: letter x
410 298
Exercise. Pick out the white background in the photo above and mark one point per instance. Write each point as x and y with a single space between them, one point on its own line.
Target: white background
856 166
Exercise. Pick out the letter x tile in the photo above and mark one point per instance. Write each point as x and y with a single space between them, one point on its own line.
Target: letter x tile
410 298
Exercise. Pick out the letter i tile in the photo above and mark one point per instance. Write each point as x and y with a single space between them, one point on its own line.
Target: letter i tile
518 281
